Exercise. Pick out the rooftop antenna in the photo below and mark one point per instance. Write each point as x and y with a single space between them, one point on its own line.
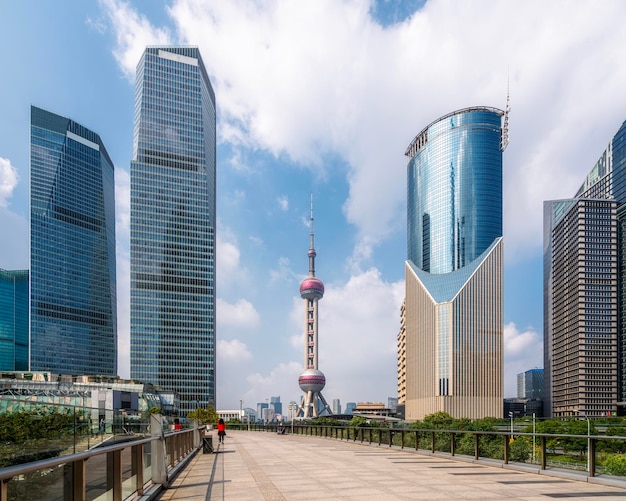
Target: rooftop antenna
504 141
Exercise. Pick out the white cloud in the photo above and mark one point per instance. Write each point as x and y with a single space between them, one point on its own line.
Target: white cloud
523 350
358 328
363 92
283 202
230 271
283 272
133 32
233 351
240 314
281 380
8 181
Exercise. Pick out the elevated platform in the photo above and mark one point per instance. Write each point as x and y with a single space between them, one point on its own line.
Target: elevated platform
267 466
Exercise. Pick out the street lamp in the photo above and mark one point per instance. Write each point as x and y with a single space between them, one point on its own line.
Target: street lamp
588 440
511 416
534 437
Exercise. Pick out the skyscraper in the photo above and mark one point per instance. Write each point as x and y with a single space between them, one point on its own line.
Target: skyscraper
453 313
530 384
13 320
585 292
172 248
72 262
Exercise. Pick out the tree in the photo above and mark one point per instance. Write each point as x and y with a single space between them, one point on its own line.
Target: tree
204 416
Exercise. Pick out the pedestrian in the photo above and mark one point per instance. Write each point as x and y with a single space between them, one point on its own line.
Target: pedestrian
221 430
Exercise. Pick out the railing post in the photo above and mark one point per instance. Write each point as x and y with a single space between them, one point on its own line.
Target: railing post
432 442
114 474
543 452
592 457
506 448
402 439
476 446
4 490
137 467
159 463
79 480
452 443
417 440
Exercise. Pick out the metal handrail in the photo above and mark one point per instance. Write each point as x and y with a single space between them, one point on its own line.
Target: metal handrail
22 469
177 448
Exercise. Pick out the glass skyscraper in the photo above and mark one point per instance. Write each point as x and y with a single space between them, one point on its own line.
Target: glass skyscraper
585 292
73 284
172 231
452 319
13 320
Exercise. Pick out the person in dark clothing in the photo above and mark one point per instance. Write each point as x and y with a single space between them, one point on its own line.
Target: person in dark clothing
221 430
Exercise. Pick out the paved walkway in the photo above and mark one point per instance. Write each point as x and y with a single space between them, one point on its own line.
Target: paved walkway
266 466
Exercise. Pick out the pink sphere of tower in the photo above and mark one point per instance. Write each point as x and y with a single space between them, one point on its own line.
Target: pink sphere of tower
312 380
311 288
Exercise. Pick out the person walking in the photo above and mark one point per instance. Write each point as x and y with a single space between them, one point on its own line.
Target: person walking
221 430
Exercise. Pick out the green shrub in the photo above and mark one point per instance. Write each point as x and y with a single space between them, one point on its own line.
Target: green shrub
616 464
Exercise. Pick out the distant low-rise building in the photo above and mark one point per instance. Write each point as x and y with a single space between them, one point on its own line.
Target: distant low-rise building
104 398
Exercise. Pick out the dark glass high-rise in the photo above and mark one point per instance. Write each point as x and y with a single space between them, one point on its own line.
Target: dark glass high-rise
172 227
73 261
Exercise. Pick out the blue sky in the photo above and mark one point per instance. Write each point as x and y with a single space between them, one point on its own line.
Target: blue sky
323 97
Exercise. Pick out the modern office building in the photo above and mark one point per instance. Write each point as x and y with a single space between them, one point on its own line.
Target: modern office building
276 405
453 313
530 384
261 411
73 305
13 320
585 292
172 226
336 406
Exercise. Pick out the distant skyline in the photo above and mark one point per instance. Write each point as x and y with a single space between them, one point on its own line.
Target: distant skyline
324 97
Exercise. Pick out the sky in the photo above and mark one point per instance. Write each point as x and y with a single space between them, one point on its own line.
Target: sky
322 98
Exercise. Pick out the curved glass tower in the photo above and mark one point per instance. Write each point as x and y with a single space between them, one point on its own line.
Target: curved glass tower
455 190
453 314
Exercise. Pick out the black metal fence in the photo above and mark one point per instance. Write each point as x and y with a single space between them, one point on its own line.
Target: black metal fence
595 454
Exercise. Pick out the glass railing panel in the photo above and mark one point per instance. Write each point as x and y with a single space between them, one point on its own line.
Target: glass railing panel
97 479
129 478
147 462
45 485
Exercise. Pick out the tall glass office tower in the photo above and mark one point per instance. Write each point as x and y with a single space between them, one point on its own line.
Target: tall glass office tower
172 232
452 330
72 264
585 292
13 320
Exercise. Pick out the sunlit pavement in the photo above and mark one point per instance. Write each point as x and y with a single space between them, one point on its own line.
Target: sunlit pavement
267 466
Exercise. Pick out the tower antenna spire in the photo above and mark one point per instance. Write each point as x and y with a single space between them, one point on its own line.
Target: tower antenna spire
312 252
505 127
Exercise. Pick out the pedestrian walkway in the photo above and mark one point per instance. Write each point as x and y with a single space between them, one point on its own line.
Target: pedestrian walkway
266 466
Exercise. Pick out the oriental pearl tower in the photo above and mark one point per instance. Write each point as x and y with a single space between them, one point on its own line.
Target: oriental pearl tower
312 380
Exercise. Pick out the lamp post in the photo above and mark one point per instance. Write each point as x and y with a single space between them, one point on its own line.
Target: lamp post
588 440
511 416
534 430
